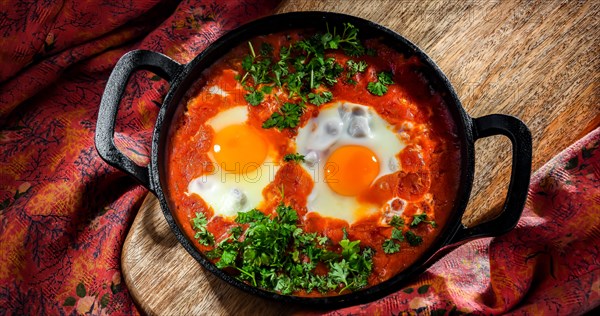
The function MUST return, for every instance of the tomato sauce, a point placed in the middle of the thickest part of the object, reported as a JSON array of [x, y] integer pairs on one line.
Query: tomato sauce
[[429, 170]]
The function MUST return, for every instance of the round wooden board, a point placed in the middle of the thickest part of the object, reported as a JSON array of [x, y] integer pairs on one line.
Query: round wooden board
[[535, 60]]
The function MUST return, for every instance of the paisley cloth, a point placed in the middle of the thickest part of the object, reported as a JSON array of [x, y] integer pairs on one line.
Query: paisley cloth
[[64, 213]]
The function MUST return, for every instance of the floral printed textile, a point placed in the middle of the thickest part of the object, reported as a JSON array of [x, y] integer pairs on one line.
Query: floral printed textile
[[64, 213], [548, 265]]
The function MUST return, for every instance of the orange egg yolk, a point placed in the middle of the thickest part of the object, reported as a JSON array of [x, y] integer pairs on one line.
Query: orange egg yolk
[[239, 148], [350, 170]]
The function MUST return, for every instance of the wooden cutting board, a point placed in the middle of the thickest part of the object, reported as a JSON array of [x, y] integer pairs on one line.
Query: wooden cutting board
[[535, 60]]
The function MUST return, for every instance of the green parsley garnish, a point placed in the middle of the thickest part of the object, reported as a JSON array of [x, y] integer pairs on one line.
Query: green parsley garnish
[[300, 70], [275, 254], [266, 89], [385, 77], [203, 236], [255, 98], [390, 246], [422, 218], [352, 68], [250, 216], [397, 234], [289, 117], [413, 239], [396, 221], [379, 87], [320, 98], [293, 157]]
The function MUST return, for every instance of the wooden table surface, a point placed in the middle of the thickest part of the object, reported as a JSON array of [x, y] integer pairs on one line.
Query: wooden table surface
[[536, 60]]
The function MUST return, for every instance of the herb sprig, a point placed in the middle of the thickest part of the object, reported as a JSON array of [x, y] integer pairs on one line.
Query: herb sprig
[[199, 224], [352, 68], [298, 158], [288, 117], [273, 253], [392, 245], [380, 87], [422, 218], [301, 70]]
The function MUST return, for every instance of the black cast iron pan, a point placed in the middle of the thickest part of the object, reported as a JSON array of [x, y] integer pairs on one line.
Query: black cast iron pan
[[181, 77]]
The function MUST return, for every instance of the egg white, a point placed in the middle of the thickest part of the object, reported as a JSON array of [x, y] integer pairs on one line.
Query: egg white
[[316, 141], [225, 191]]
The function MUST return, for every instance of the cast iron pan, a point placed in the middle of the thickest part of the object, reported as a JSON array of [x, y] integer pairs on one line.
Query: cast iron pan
[[181, 77]]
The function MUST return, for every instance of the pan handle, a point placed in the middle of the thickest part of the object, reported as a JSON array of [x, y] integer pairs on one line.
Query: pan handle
[[520, 137], [159, 64]]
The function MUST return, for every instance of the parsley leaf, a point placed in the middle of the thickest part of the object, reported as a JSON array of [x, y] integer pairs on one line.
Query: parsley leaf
[[266, 89], [338, 272], [377, 88], [288, 117], [236, 232], [422, 218], [273, 253], [293, 157], [349, 248], [300, 69], [203, 236], [413, 239], [250, 216], [320, 98], [322, 240], [354, 67], [349, 41], [385, 77], [227, 259], [255, 98], [390, 246], [396, 221], [397, 234]]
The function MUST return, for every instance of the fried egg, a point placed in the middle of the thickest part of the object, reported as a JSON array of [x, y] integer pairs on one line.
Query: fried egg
[[243, 162], [347, 147]]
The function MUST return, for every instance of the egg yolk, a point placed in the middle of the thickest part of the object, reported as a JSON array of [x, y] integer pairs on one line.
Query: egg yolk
[[350, 170], [239, 148]]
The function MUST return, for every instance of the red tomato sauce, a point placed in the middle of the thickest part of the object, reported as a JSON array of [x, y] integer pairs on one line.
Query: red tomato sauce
[[429, 169]]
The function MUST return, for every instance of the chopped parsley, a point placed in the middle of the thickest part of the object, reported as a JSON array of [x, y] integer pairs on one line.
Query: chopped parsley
[[379, 87], [300, 70], [266, 89], [396, 221], [320, 98], [203, 236], [293, 157], [422, 218], [288, 117], [413, 239], [273, 253], [255, 98], [352, 68], [385, 78], [397, 234], [390, 246]]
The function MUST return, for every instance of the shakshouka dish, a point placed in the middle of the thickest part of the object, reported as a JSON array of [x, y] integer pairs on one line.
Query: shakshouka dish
[[312, 163]]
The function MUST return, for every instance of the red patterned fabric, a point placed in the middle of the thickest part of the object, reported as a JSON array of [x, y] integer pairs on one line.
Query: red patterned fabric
[[548, 265], [64, 213]]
